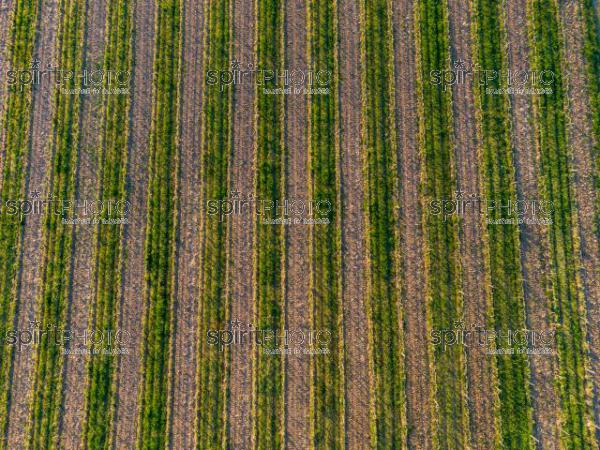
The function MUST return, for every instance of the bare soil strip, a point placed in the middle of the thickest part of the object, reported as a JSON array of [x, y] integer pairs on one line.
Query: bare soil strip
[[298, 311], [132, 306], [416, 342], [534, 248], [581, 143], [480, 367], [242, 228], [188, 243], [357, 383], [82, 295], [33, 247]]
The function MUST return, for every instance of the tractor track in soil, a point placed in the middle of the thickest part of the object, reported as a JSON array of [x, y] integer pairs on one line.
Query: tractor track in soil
[[131, 311], [533, 237], [417, 355], [33, 246], [184, 364], [241, 230], [298, 309], [357, 382], [480, 369]]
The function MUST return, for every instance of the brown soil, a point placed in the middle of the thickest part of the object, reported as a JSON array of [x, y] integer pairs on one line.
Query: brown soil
[[82, 296], [357, 382], [582, 144], [241, 230], [132, 307], [417, 357], [480, 367], [188, 244], [534, 248], [32, 250], [298, 310]]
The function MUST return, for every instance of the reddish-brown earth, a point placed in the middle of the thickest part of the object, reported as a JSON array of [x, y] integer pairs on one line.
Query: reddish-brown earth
[[184, 362], [534, 249], [357, 382], [132, 302], [297, 272], [418, 381], [480, 367], [33, 248]]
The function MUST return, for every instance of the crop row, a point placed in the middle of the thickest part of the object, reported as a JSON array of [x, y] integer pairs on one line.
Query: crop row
[[216, 138], [161, 229], [567, 297], [269, 243], [504, 258], [14, 132], [100, 396], [388, 413], [327, 400], [592, 53], [47, 389], [441, 240]]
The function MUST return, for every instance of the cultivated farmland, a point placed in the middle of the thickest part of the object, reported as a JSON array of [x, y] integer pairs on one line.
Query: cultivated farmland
[[300, 224]]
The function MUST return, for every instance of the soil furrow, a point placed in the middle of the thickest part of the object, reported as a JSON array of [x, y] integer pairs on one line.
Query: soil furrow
[[132, 306], [357, 382], [534, 249], [582, 145], [33, 247], [188, 264], [416, 340], [298, 315], [241, 228], [82, 294], [480, 369]]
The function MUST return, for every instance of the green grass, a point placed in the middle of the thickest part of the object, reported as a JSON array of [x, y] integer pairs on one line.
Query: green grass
[[388, 413], [441, 239], [504, 258], [161, 228], [15, 128], [592, 54], [47, 389], [100, 396], [555, 181], [327, 400], [269, 244], [212, 364]]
